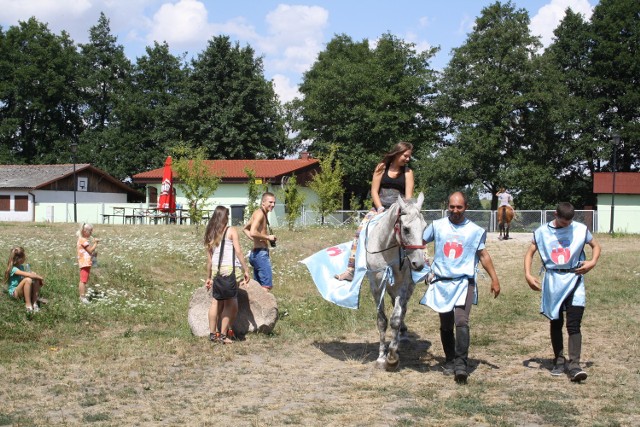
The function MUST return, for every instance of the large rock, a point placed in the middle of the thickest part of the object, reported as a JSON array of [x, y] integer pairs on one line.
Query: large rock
[[257, 310]]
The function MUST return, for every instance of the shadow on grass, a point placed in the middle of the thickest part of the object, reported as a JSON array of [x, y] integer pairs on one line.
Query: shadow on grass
[[546, 364], [412, 352]]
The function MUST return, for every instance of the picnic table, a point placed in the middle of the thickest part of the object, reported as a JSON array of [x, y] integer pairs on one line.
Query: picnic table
[[149, 215], [128, 215]]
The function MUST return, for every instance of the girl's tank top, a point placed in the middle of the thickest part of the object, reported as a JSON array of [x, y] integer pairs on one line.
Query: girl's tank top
[[391, 188], [226, 256]]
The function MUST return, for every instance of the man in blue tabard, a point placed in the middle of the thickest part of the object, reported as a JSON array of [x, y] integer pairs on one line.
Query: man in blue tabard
[[459, 245], [561, 246]]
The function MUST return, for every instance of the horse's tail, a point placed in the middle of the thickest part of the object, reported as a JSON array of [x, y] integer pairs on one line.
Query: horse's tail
[[504, 214]]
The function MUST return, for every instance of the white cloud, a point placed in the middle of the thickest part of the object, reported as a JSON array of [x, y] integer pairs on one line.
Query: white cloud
[[466, 25], [284, 88], [295, 36], [45, 10], [550, 15], [180, 24], [425, 21]]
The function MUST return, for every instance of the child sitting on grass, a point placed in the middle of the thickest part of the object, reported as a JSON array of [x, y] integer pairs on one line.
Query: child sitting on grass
[[23, 283]]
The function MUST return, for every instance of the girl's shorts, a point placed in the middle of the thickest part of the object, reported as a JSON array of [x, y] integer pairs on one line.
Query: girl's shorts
[[84, 274]]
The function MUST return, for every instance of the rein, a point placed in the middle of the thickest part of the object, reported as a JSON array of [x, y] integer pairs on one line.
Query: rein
[[402, 246], [396, 228]]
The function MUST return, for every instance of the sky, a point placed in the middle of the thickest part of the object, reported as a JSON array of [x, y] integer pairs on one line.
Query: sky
[[288, 35]]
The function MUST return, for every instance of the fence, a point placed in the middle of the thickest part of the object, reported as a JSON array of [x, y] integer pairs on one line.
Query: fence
[[524, 220]]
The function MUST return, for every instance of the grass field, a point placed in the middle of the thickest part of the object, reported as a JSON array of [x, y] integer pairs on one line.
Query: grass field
[[129, 358]]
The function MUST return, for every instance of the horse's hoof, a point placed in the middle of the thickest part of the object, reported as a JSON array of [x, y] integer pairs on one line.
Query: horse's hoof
[[392, 366], [381, 364]]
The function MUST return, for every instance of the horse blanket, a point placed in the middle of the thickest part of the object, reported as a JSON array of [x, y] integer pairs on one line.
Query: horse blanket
[[323, 265]]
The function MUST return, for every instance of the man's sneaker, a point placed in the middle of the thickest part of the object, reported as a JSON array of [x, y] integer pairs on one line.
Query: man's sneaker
[[84, 300], [448, 367], [36, 308], [214, 337], [461, 377], [558, 369], [577, 375]]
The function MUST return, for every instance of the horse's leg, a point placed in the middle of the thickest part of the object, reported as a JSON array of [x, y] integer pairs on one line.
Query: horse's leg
[[376, 292], [396, 323], [410, 286], [506, 233]]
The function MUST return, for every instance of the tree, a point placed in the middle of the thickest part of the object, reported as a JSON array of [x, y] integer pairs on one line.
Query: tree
[[194, 179], [293, 201], [149, 117], [486, 94], [254, 190], [564, 130], [105, 77], [229, 107], [328, 185], [38, 94], [615, 67], [364, 100]]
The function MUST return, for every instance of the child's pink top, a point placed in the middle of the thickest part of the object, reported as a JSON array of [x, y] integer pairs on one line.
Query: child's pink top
[[84, 257]]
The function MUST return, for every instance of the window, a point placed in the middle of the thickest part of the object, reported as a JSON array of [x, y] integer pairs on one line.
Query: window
[[5, 203], [153, 195], [22, 203]]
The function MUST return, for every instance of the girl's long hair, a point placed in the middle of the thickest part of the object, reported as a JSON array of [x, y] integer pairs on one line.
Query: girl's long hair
[[216, 226], [15, 255], [399, 148]]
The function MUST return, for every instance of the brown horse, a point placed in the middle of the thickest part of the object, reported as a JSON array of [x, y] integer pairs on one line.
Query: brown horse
[[505, 216]]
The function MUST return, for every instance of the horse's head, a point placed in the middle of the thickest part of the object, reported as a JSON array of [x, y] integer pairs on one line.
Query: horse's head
[[409, 229]]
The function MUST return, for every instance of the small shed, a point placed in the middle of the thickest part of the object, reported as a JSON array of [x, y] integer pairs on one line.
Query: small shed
[[625, 199], [33, 192]]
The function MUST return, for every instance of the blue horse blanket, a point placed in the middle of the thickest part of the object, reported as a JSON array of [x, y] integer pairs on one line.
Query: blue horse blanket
[[323, 265]]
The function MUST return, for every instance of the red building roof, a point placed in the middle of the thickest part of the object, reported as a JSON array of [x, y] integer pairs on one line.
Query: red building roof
[[626, 182], [233, 170]]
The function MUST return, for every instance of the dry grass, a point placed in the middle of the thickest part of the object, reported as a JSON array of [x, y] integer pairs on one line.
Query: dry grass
[[124, 361]]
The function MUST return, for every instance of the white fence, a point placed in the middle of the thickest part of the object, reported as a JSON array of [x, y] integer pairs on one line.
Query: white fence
[[524, 221]]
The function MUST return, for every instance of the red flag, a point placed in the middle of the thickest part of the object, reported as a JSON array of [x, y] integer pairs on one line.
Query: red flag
[[167, 202]]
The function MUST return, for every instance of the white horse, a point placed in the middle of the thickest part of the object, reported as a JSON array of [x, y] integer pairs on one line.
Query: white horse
[[394, 246]]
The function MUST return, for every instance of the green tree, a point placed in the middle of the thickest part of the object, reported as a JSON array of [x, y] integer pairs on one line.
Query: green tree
[[615, 67], [293, 201], [364, 100], [563, 132], [229, 107], [149, 116], [38, 94], [254, 192], [194, 179], [328, 185], [105, 78], [486, 95]]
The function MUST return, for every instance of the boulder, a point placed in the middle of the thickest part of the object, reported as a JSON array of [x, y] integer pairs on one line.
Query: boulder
[[257, 310]]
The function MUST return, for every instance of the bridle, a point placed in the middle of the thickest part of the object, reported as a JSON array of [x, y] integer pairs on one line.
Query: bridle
[[398, 233], [401, 245]]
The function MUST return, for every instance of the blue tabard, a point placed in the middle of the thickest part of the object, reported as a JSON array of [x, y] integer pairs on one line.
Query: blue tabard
[[561, 251], [454, 263]]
